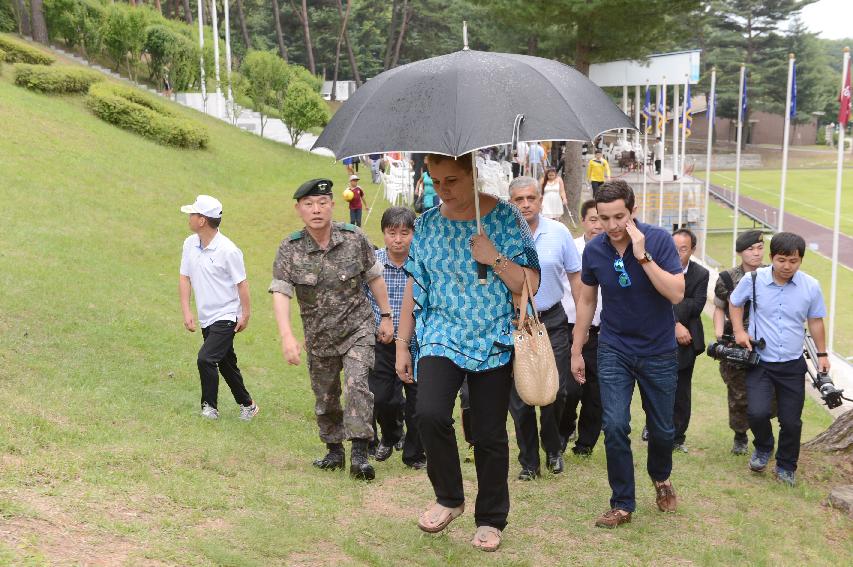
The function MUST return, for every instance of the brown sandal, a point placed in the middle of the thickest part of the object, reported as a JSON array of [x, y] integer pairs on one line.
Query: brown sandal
[[427, 521], [483, 535]]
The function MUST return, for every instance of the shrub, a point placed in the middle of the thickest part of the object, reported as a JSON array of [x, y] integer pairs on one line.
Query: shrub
[[171, 54], [78, 22], [132, 110], [123, 34], [55, 80], [21, 52], [303, 109]]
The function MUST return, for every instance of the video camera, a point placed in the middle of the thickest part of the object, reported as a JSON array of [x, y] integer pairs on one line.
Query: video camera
[[830, 395], [726, 349]]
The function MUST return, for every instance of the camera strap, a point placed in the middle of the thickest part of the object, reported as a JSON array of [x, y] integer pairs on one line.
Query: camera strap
[[754, 306]]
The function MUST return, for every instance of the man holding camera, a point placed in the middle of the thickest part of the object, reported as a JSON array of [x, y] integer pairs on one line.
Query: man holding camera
[[750, 246], [782, 300]]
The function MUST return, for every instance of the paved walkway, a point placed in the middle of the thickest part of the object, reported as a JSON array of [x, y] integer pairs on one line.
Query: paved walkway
[[815, 234]]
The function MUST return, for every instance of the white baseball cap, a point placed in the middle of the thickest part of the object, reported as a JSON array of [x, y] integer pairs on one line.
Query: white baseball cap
[[354, 177], [204, 205]]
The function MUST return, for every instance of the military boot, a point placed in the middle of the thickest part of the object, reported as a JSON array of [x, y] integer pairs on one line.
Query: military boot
[[334, 459], [360, 468]]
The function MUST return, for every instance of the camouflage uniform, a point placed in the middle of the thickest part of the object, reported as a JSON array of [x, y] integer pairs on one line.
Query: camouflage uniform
[[733, 375], [337, 321]]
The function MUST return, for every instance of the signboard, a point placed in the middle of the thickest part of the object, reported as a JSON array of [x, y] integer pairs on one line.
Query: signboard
[[673, 66]]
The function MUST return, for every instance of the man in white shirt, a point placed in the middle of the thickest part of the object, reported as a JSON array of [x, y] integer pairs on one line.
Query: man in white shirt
[[212, 267], [588, 424]]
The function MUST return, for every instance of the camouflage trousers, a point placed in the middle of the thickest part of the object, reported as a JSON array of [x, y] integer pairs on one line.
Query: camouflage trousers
[[354, 421], [735, 379]]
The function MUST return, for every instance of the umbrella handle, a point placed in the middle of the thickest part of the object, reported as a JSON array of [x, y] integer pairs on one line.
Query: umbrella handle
[[481, 268], [481, 273]]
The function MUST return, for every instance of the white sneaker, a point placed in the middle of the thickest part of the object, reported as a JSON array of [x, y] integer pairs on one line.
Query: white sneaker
[[248, 412], [209, 412]]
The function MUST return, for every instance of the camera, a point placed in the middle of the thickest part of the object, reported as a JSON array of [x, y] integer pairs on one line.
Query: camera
[[726, 349], [830, 395]]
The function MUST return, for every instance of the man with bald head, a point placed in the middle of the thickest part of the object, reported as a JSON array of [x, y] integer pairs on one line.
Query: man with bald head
[[559, 262]]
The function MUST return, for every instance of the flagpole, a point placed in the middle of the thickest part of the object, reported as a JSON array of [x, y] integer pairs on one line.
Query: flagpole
[[676, 146], [230, 99], [737, 162], [202, 79], [637, 114], [709, 114], [663, 150], [780, 223], [214, 19], [683, 152], [836, 227], [645, 159]]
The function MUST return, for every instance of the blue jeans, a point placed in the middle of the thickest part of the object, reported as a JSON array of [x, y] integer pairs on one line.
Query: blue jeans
[[656, 377]]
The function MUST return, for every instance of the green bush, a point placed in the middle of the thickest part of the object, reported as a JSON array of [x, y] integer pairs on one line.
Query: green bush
[[123, 34], [21, 52], [55, 80], [77, 22], [171, 54], [132, 110], [303, 109]]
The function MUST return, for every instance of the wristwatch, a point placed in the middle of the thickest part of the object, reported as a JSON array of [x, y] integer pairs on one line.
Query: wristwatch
[[645, 259], [383, 315], [498, 262]]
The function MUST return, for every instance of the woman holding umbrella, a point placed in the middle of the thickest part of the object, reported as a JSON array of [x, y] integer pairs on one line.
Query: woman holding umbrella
[[464, 331]]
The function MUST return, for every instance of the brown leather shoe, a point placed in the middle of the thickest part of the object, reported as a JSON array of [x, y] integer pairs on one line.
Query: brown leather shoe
[[613, 518], [665, 496]]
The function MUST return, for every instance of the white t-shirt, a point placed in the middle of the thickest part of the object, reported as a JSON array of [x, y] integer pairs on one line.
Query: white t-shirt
[[568, 300], [658, 150], [214, 273]]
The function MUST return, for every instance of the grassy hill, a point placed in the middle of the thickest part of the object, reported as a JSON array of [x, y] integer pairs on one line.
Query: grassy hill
[[103, 459]]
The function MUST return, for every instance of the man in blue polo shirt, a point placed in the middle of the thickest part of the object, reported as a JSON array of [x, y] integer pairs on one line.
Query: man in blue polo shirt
[[783, 299], [639, 272], [559, 262]]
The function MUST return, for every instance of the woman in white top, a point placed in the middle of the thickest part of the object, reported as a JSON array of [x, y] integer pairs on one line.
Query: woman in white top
[[553, 195]]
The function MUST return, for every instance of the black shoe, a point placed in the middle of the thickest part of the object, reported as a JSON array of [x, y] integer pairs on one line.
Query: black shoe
[[582, 451], [741, 444], [360, 468], [334, 459], [555, 463], [528, 474], [417, 465], [645, 434], [383, 452]]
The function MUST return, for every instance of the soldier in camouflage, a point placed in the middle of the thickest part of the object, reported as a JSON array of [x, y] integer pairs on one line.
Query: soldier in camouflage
[[750, 246], [325, 264]]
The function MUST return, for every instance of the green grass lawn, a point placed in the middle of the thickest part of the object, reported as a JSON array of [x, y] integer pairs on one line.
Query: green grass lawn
[[104, 460], [809, 193]]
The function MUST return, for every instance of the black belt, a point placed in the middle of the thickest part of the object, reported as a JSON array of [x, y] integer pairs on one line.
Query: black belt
[[551, 309]]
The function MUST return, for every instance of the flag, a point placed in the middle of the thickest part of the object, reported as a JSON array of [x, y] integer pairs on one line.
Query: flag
[[661, 113], [647, 110], [844, 99], [793, 109], [743, 104], [688, 112]]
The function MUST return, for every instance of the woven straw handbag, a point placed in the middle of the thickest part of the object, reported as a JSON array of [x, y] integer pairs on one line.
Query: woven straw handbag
[[534, 367]]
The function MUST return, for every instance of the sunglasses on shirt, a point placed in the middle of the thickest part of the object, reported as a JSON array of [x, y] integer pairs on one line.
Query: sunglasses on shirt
[[624, 278]]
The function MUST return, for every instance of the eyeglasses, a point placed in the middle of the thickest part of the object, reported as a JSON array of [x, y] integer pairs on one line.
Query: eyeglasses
[[624, 278]]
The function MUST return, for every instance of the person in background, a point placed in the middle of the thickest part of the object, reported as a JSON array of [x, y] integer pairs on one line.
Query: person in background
[[536, 161], [553, 195], [658, 153], [597, 171], [356, 204]]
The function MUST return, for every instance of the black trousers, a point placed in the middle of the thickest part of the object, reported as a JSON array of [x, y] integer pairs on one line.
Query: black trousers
[[588, 424], [524, 416], [681, 413], [390, 408], [657, 166], [595, 185], [516, 169], [439, 381], [784, 382], [217, 355]]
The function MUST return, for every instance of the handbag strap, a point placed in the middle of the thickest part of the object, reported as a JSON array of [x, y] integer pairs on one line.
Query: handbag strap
[[526, 299]]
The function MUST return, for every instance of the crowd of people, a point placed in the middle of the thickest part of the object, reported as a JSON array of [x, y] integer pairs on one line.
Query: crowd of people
[[412, 324]]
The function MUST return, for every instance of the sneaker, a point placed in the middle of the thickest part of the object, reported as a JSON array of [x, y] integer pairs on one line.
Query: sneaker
[[248, 412], [399, 444], [785, 477], [528, 474], [469, 454], [679, 448], [383, 452], [740, 447], [613, 518], [581, 451], [208, 411], [758, 461], [418, 465], [645, 434]]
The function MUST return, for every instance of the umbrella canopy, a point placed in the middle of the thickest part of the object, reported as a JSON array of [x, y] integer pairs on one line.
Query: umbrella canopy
[[468, 100]]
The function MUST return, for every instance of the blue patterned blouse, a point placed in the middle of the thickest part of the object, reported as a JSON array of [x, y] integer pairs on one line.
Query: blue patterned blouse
[[455, 316]]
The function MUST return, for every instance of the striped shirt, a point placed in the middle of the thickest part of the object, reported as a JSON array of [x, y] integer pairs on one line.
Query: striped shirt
[[557, 257], [395, 281]]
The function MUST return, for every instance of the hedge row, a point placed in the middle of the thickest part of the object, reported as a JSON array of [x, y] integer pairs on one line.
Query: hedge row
[[55, 80], [21, 52], [132, 110]]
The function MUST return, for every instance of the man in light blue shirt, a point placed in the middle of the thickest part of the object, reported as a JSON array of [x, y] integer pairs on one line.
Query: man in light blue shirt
[[559, 262], [783, 299]]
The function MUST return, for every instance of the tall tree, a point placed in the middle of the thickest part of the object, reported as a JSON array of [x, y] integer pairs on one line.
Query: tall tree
[[241, 20], [405, 15], [344, 21], [350, 55], [38, 22], [302, 13], [392, 34], [23, 17], [188, 13], [279, 36]]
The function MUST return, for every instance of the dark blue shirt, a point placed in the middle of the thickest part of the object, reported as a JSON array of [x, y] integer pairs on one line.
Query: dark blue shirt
[[635, 319]]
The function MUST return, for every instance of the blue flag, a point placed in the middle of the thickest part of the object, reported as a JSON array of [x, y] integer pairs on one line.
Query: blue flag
[[661, 112], [688, 112], [647, 110], [743, 104], [794, 92]]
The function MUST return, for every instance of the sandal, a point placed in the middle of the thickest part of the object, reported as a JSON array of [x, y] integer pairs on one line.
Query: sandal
[[487, 538], [438, 517]]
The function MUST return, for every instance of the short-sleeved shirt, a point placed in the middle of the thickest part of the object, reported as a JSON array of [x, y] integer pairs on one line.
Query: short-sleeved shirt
[[395, 281], [597, 170], [780, 311], [557, 257], [536, 154], [635, 319], [722, 293], [328, 285], [569, 301], [455, 316], [214, 273], [357, 197]]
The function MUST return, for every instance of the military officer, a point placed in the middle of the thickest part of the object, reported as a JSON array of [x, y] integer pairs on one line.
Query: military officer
[[325, 264]]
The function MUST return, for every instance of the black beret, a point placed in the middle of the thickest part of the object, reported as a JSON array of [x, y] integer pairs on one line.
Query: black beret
[[313, 188], [747, 239]]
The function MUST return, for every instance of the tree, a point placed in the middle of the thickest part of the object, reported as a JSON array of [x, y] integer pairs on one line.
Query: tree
[[302, 110], [344, 20], [264, 74], [276, 13], [188, 13], [306, 33], [839, 436], [38, 23], [241, 20], [22, 17]]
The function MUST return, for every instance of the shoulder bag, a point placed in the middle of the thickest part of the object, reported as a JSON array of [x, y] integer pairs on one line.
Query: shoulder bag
[[534, 368]]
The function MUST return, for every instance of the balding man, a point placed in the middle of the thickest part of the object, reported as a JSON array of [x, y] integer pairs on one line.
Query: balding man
[[559, 261]]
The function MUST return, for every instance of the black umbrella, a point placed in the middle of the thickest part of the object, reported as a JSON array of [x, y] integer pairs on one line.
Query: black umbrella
[[468, 100]]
